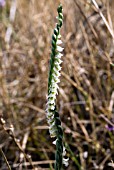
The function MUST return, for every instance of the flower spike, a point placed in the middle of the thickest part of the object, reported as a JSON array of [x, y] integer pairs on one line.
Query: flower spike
[[53, 118], [55, 68]]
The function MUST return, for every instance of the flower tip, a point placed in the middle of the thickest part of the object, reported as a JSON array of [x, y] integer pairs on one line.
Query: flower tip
[[59, 9]]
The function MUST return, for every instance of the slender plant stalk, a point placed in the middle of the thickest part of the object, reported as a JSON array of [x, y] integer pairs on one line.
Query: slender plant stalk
[[7, 163], [53, 119]]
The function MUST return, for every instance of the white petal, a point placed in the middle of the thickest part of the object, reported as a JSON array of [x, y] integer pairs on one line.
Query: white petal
[[58, 60], [58, 67], [51, 107], [54, 142], [54, 91], [52, 131], [55, 69], [59, 49], [54, 75], [57, 80], [52, 134], [65, 161], [56, 63], [51, 95], [59, 36], [51, 101], [53, 79], [52, 126], [64, 151], [53, 82], [49, 114], [59, 42], [59, 55], [54, 85], [51, 120], [57, 74]]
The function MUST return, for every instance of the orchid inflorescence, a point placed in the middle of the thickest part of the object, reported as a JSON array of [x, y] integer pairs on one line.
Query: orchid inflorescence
[[54, 73], [53, 119]]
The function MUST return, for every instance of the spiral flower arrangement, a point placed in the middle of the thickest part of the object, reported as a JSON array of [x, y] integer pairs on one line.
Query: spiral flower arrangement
[[53, 119]]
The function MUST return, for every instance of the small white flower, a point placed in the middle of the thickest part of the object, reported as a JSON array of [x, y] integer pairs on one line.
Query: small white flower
[[56, 79], [51, 101], [58, 67], [54, 142], [57, 73], [55, 69], [52, 130], [51, 96], [55, 85], [59, 55], [59, 49], [64, 151], [54, 91], [58, 60], [51, 121], [56, 63], [51, 107], [65, 161], [54, 75], [59, 42], [49, 114], [59, 36]]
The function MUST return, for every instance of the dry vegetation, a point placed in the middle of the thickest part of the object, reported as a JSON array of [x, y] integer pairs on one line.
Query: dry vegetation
[[86, 94]]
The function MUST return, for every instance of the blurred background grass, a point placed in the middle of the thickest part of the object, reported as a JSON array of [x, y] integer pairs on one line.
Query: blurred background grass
[[86, 93]]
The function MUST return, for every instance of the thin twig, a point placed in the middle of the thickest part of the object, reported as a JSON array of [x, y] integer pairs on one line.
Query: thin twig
[[10, 132], [7, 163], [103, 18], [89, 24], [36, 163]]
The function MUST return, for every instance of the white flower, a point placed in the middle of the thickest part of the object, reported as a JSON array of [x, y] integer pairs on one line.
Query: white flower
[[59, 42], [51, 101], [51, 96], [52, 130], [59, 36], [56, 64], [65, 161], [49, 114], [57, 73], [56, 70], [54, 142], [51, 107], [64, 151], [59, 55], [51, 121], [59, 49], [58, 67]]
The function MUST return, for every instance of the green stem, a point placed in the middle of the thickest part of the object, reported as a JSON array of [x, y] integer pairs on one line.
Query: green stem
[[59, 143]]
